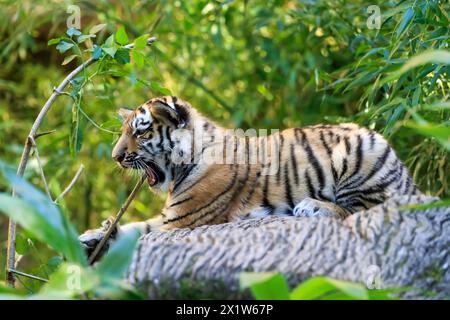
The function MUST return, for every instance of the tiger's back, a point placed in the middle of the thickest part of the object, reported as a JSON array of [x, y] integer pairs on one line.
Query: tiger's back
[[346, 166]]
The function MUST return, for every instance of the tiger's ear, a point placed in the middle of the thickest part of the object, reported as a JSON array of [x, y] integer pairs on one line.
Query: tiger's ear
[[124, 113], [169, 114]]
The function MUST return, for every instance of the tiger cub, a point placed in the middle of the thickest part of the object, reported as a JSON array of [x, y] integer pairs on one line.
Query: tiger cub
[[214, 177]]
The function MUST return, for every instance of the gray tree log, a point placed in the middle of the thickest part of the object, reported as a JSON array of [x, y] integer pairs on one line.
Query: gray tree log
[[395, 246]]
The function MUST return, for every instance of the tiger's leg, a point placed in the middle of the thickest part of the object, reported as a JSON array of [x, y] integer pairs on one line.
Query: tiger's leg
[[310, 207], [90, 239]]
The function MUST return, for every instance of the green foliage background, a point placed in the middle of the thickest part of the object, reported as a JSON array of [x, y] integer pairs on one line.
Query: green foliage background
[[260, 64]]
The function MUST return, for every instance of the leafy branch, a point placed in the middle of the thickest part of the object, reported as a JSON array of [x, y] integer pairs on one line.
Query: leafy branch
[[114, 47]]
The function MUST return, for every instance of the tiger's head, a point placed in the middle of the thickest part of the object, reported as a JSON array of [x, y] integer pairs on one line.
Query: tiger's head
[[149, 135]]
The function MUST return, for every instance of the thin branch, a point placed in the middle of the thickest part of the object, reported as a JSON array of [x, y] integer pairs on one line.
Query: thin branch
[[41, 169], [40, 134], [11, 251], [71, 184], [20, 273], [119, 215]]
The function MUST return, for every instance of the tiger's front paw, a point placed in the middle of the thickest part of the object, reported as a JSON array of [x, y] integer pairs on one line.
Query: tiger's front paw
[[91, 238], [309, 207]]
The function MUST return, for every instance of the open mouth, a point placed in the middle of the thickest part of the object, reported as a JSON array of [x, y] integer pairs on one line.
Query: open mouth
[[154, 174]]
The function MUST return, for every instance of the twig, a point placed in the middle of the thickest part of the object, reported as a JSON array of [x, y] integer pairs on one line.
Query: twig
[[41, 169], [117, 219], [40, 134], [20, 273], [71, 184], [11, 251]]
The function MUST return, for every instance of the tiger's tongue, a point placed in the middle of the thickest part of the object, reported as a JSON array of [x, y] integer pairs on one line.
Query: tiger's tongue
[[151, 177]]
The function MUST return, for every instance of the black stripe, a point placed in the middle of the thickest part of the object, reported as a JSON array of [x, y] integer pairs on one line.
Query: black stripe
[[279, 167], [386, 180], [377, 167], [408, 184], [330, 153], [401, 180], [358, 159], [148, 148], [297, 135], [183, 174], [161, 137], [228, 188], [325, 144], [313, 160], [344, 168], [180, 202], [171, 144], [287, 187], [347, 144], [294, 164], [252, 188], [312, 192], [265, 201]]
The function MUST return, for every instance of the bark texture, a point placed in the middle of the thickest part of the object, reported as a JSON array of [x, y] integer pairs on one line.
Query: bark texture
[[387, 244]]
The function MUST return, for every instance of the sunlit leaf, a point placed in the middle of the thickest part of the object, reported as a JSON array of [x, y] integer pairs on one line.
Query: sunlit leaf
[[121, 36], [140, 42], [68, 59], [265, 285], [97, 28], [320, 287]]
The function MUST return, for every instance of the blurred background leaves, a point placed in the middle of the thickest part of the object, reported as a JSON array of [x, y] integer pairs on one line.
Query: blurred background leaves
[[260, 64]]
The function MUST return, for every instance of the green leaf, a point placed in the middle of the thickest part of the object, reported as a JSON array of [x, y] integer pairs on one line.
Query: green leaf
[[138, 59], [434, 56], [122, 56], [63, 46], [320, 287], [140, 42], [265, 285], [40, 217], [97, 28], [110, 51], [84, 37], [121, 36], [73, 32], [439, 106], [68, 59], [116, 262], [407, 17], [53, 41], [109, 42]]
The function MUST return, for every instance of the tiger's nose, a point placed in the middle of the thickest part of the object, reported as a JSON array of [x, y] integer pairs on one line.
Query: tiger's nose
[[119, 157]]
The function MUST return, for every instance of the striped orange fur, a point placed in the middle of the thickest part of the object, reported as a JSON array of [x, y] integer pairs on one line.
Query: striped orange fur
[[322, 170]]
